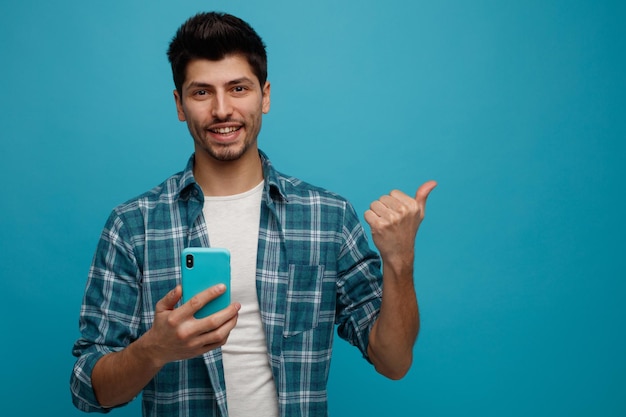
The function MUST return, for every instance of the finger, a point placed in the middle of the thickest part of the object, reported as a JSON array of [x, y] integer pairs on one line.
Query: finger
[[370, 217], [213, 331], [399, 202], [378, 208], [422, 193], [219, 336], [386, 206], [218, 318], [221, 319], [199, 300], [169, 301], [393, 201]]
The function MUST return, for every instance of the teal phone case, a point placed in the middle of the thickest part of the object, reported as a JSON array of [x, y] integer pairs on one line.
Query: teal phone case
[[211, 266]]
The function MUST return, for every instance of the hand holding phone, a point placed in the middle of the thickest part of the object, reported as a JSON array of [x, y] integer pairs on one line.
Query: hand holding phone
[[203, 268]]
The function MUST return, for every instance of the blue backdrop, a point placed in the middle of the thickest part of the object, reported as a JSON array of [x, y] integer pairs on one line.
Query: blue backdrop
[[517, 108]]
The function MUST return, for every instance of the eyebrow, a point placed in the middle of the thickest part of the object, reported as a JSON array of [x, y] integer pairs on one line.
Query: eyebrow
[[242, 80], [200, 84]]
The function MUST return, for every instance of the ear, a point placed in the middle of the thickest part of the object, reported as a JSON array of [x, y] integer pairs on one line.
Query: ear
[[266, 98], [179, 106]]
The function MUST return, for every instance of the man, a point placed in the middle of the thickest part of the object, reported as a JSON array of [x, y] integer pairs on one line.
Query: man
[[300, 263]]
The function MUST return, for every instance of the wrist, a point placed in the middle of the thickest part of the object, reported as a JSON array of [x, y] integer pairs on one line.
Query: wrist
[[398, 265], [146, 351]]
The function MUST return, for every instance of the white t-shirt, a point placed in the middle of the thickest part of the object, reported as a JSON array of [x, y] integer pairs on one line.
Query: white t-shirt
[[233, 223]]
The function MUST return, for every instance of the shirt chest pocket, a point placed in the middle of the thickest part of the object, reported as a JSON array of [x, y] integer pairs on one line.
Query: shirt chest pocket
[[304, 298]]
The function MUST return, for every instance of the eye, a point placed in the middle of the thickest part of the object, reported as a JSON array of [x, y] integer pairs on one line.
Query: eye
[[200, 94], [239, 89]]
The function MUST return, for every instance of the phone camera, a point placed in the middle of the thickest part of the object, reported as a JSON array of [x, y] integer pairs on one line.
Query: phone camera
[[189, 261]]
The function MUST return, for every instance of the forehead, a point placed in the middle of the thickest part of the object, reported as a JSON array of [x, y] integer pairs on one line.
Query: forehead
[[221, 72]]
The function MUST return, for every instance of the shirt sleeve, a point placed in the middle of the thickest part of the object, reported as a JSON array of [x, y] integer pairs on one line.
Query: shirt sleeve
[[110, 312], [359, 284]]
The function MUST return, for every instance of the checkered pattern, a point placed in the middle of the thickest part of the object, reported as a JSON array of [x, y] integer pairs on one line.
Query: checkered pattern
[[314, 270]]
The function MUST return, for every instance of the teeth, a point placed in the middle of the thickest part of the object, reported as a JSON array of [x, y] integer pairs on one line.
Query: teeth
[[225, 130]]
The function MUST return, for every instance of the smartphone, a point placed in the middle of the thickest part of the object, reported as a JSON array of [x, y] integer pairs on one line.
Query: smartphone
[[203, 268]]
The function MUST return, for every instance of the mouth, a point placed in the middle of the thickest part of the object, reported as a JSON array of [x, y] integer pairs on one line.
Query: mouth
[[224, 130]]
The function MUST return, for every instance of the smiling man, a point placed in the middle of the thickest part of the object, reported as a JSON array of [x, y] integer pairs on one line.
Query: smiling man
[[223, 103], [300, 263]]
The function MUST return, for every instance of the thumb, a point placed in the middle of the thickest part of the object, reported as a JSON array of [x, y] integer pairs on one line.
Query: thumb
[[422, 193], [169, 301]]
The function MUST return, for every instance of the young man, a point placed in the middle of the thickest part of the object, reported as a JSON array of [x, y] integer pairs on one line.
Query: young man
[[300, 263]]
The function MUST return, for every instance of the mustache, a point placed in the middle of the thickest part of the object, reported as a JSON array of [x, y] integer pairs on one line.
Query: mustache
[[228, 120]]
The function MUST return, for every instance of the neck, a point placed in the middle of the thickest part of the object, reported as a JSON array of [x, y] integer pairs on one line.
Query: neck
[[223, 178]]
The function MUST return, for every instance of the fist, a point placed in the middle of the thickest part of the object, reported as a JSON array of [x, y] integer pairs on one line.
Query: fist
[[394, 220]]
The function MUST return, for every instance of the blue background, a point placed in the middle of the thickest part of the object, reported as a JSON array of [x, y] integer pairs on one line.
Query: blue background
[[517, 109]]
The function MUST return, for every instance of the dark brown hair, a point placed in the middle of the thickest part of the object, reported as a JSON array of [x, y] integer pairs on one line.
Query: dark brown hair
[[213, 36]]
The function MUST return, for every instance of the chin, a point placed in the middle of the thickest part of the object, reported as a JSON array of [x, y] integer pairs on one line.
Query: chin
[[227, 153]]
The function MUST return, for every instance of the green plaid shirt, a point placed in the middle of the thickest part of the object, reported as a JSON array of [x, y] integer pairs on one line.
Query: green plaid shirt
[[314, 269]]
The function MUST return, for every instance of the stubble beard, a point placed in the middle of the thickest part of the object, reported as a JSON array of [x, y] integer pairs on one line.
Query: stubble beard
[[226, 152]]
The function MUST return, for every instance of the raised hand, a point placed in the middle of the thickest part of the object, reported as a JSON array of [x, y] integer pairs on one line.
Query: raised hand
[[394, 220]]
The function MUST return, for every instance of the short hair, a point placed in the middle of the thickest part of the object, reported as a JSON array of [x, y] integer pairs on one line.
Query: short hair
[[213, 36]]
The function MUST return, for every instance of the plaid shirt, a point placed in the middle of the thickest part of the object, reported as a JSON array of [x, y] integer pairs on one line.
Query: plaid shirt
[[314, 269]]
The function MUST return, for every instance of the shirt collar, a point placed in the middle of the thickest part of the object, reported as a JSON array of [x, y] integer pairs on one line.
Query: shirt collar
[[273, 184], [187, 185]]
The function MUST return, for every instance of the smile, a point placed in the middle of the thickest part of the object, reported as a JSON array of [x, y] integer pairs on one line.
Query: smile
[[225, 130]]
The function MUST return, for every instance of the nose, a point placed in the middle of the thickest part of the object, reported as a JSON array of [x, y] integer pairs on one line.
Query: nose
[[222, 107]]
